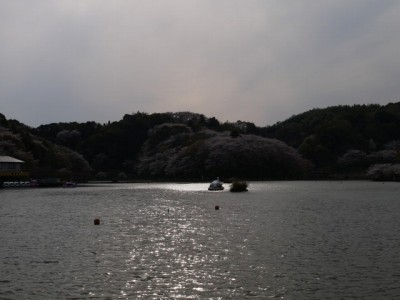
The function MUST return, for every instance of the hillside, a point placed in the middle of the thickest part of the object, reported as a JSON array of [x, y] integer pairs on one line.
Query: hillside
[[42, 158], [127, 149], [335, 142], [182, 153], [343, 139]]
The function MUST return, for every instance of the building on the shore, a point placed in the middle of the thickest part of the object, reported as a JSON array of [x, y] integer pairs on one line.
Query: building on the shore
[[11, 168]]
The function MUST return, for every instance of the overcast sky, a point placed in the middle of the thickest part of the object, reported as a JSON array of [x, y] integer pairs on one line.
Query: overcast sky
[[252, 60]]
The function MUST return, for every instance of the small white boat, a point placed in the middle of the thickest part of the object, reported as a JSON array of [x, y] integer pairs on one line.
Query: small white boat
[[216, 185]]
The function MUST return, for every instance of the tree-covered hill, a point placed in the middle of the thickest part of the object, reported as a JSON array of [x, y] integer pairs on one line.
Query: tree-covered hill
[[339, 141], [42, 158], [344, 126], [175, 151], [330, 137], [113, 149]]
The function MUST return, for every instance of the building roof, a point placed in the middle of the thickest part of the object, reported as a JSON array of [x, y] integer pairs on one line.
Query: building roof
[[10, 159]]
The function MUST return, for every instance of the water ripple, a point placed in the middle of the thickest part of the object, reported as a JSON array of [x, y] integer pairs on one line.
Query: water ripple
[[166, 241]]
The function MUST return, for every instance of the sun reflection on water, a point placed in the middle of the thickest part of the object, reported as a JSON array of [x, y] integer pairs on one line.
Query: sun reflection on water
[[183, 187], [166, 241], [183, 253]]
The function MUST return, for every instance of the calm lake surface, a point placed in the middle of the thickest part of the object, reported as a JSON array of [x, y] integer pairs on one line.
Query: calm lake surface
[[280, 240]]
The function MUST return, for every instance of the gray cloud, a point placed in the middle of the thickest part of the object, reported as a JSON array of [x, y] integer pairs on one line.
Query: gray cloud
[[258, 61]]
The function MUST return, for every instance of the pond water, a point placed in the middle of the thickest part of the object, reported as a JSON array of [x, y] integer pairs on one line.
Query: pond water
[[280, 240]]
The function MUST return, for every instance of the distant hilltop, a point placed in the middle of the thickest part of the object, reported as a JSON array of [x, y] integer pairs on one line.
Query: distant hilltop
[[334, 142]]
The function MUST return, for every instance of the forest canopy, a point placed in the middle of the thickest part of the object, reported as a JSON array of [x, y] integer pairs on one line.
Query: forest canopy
[[334, 142]]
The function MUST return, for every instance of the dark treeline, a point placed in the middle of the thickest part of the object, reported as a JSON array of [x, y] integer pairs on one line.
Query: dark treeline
[[43, 159], [343, 140], [335, 142], [115, 150]]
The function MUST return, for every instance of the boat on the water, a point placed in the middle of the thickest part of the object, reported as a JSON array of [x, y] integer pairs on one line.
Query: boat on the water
[[69, 184], [18, 184], [216, 185]]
